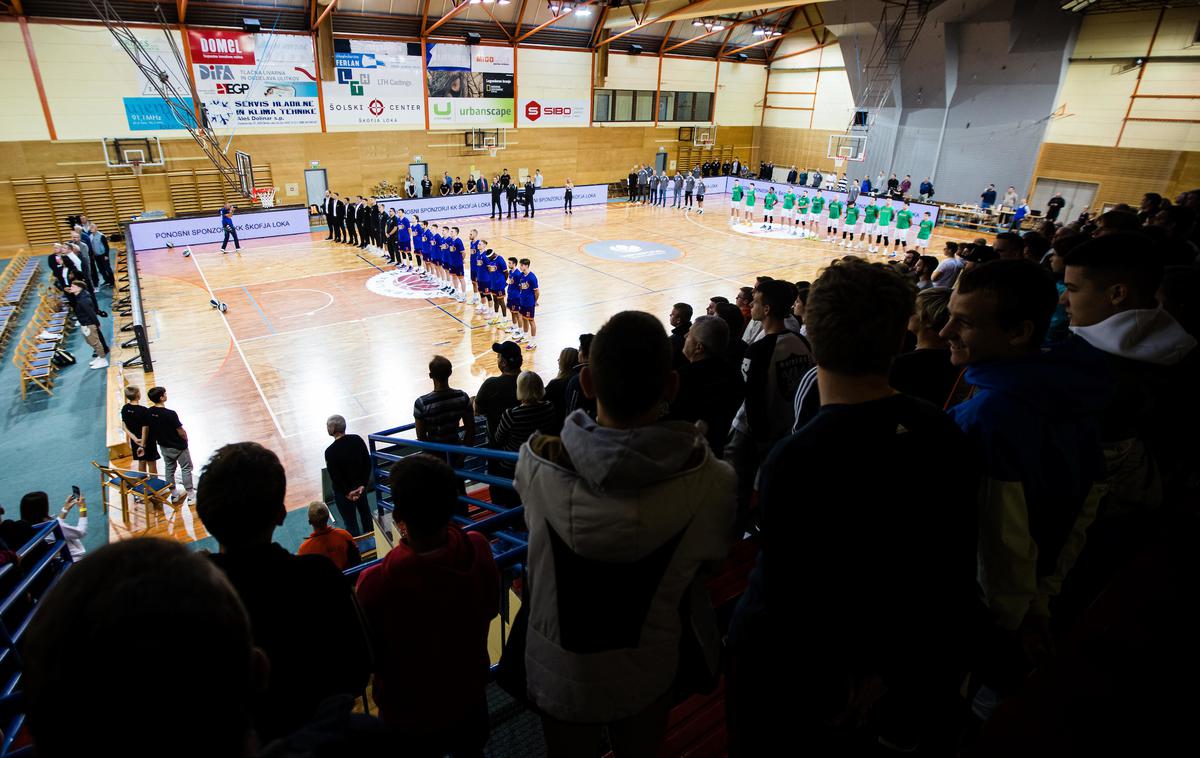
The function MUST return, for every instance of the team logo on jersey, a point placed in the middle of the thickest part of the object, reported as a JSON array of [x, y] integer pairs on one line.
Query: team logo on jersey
[[402, 285]]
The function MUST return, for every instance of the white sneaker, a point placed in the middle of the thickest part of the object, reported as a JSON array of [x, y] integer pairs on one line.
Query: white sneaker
[[98, 363], [47, 336]]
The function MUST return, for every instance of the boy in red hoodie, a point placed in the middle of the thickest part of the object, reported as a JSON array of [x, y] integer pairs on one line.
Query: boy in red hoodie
[[429, 605]]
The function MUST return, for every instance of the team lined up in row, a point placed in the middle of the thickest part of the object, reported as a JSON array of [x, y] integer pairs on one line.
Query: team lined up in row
[[504, 291], [804, 217]]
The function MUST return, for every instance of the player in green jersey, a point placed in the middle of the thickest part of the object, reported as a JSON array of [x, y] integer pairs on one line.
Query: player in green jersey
[[769, 208], [789, 209], [802, 216], [815, 211], [735, 202], [870, 220], [903, 228], [850, 226], [925, 232], [748, 205], [835, 215], [884, 225]]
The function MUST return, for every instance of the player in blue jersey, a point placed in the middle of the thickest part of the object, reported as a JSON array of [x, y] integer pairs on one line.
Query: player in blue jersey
[[476, 257], [513, 295], [420, 237], [495, 273], [528, 288], [404, 240], [437, 252], [455, 251]]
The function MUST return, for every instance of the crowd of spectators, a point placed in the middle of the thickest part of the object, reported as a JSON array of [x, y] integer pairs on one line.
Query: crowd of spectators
[[894, 603]]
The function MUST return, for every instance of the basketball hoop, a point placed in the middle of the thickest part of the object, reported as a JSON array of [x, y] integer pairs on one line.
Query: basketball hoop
[[705, 143], [265, 196], [493, 150], [839, 163], [136, 165]]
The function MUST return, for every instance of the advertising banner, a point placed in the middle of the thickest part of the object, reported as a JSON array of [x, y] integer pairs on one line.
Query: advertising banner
[[543, 111], [459, 206], [148, 112], [470, 85], [377, 83], [151, 235], [255, 79]]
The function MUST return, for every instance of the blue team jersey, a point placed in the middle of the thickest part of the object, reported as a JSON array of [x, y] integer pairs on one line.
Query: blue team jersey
[[421, 241], [404, 225], [528, 284], [456, 248], [499, 283], [491, 272], [435, 249], [514, 285]]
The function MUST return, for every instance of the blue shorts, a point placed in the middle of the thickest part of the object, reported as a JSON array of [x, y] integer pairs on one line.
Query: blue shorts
[[404, 241], [456, 268], [526, 310]]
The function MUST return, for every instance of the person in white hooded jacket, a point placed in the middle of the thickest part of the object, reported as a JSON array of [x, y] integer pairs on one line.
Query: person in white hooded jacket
[[623, 512]]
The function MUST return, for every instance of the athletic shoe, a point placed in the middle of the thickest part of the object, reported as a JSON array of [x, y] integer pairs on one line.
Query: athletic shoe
[[49, 336], [531, 345], [891, 255], [99, 363]]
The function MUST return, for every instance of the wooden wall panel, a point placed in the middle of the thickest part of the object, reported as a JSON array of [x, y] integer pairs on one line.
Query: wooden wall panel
[[807, 148], [356, 161], [1124, 174]]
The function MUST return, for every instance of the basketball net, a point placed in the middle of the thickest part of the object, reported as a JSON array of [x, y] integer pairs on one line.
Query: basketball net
[[136, 165], [839, 163], [493, 150], [265, 196]]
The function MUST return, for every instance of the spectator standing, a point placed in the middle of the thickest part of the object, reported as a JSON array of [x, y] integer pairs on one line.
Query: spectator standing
[[1054, 206], [772, 369], [172, 441], [349, 464], [335, 544], [292, 600], [136, 420], [633, 184], [426, 186], [573, 394], [537, 178], [499, 393], [987, 198], [946, 274], [556, 388], [87, 313], [681, 322], [710, 387], [439, 415], [893, 187], [429, 605], [101, 252], [883, 660], [927, 371], [735, 351], [926, 189], [1029, 419], [1010, 198], [533, 415], [905, 185], [658, 505]]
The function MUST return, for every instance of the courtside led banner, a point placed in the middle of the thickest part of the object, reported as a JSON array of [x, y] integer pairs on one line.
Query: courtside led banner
[[457, 206], [150, 235]]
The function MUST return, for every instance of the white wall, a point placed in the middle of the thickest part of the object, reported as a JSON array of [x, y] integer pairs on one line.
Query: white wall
[[21, 118], [821, 71], [740, 94], [1095, 97]]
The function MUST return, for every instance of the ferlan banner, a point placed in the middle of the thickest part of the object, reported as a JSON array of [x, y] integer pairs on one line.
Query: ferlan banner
[[377, 83], [255, 79], [470, 85]]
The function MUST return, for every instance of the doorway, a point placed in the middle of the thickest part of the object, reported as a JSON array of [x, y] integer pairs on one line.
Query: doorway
[[418, 172], [660, 162], [1078, 195], [315, 185]]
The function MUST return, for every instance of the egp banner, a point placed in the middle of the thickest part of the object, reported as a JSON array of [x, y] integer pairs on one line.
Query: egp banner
[[150, 235], [470, 85], [458, 206], [377, 82], [255, 79], [542, 111]]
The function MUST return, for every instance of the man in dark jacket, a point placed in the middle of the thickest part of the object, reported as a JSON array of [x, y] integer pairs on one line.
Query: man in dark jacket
[[83, 302], [792, 175], [349, 465], [293, 601], [510, 194], [710, 387], [681, 322], [529, 192]]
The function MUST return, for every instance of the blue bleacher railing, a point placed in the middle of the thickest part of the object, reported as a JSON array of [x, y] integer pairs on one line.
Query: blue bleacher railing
[[41, 567]]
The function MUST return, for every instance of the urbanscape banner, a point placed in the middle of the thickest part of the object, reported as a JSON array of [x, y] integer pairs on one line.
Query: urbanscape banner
[[255, 79], [377, 83], [470, 85], [553, 112], [458, 206], [151, 235]]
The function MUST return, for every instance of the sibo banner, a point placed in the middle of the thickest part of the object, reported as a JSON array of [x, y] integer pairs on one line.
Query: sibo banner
[[553, 112]]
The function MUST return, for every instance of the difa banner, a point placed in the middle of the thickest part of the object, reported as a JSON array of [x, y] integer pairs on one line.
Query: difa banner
[[470, 85], [543, 111], [377, 83], [255, 79]]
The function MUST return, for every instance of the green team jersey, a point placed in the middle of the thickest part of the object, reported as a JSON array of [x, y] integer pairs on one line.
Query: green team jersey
[[789, 201], [870, 213], [835, 210], [904, 219], [770, 200], [885, 215], [926, 229], [852, 215], [736, 195], [750, 198], [818, 204], [803, 204]]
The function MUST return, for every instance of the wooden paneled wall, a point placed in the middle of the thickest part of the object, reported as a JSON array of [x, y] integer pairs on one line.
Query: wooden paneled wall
[[807, 148], [1124, 174], [356, 161]]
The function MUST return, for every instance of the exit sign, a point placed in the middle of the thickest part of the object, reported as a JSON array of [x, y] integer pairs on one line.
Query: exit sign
[[314, 164]]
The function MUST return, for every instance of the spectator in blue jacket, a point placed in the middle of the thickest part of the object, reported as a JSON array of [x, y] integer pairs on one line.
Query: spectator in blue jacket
[[926, 189]]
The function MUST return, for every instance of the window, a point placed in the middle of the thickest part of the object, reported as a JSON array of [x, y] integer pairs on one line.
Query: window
[[602, 104], [645, 106], [624, 108], [683, 106], [703, 110], [666, 106]]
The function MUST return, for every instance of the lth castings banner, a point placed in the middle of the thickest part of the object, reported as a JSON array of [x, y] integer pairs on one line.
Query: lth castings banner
[[255, 79], [377, 83], [470, 85]]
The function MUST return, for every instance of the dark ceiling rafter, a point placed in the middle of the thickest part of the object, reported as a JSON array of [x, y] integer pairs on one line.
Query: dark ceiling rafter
[[520, 19], [737, 22], [457, 9], [424, 14], [691, 6], [553, 20], [666, 38], [492, 16], [14, 7]]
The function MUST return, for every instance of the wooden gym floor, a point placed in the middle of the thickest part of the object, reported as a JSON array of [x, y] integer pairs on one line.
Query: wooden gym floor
[[304, 338]]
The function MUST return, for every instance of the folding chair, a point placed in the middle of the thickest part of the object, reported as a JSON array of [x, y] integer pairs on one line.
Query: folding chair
[[153, 491]]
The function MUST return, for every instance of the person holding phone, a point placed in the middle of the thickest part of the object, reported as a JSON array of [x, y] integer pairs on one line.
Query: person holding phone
[[35, 510]]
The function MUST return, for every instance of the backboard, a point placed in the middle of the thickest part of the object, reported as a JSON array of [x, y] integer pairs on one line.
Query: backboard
[[848, 147]]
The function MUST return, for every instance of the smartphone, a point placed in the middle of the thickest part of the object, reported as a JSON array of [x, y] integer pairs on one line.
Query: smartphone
[[75, 490]]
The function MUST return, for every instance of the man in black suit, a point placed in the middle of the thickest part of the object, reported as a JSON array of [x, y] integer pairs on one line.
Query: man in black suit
[[364, 213], [426, 185], [497, 207], [792, 174], [339, 218], [529, 190], [351, 221], [380, 219], [510, 192], [327, 209], [505, 179]]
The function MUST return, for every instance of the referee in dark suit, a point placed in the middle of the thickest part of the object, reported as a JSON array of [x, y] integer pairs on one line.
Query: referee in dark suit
[[364, 213], [339, 219], [497, 207], [510, 192], [327, 209]]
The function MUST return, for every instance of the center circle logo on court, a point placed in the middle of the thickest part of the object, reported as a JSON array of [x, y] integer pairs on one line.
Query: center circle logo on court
[[632, 251], [402, 285]]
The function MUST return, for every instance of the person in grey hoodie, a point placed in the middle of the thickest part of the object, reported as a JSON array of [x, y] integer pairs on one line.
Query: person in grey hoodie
[[689, 186], [677, 190], [623, 512]]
